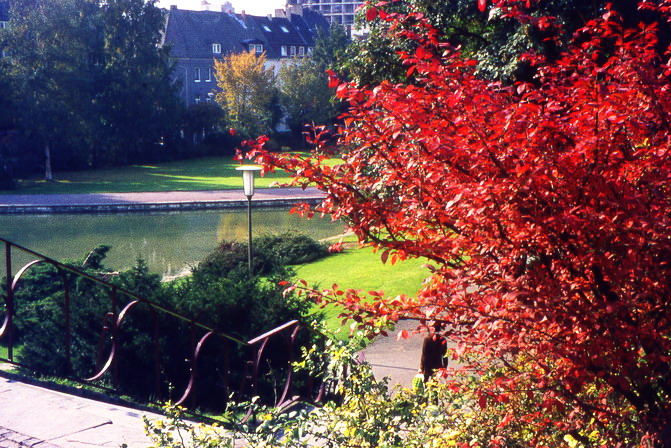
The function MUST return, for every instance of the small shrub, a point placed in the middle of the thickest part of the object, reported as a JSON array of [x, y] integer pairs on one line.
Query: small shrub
[[231, 257], [290, 248]]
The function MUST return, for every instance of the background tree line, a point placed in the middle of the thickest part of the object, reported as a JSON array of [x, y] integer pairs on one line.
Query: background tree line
[[87, 84]]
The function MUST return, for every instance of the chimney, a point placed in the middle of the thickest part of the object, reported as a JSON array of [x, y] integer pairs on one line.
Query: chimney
[[280, 13], [227, 8], [295, 9]]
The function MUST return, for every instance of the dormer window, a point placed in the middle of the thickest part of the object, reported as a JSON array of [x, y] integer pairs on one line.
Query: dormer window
[[292, 51], [284, 28], [216, 48], [283, 50], [301, 51], [266, 28]]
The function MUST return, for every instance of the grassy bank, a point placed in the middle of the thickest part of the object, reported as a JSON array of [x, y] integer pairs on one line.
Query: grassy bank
[[362, 269], [208, 173]]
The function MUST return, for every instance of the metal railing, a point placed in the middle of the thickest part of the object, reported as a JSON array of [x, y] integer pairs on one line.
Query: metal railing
[[109, 349]]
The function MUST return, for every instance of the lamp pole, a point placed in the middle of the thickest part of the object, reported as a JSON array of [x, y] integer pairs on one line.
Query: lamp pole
[[248, 185]]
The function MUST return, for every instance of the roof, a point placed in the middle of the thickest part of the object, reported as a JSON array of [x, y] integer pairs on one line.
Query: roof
[[4, 11], [191, 34], [308, 24]]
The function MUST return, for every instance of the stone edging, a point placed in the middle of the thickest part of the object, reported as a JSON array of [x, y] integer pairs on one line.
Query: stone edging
[[148, 207]]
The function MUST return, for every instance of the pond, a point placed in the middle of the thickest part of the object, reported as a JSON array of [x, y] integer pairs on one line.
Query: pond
[[169, 242]]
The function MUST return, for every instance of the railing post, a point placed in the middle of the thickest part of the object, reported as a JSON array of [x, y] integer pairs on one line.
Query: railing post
[[115, 337], [9, 302], [157, 354], [68, 322]]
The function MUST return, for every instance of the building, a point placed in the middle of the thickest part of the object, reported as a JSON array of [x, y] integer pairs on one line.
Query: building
[[196, 38], [4, 14], [4, 22], [335, 11]]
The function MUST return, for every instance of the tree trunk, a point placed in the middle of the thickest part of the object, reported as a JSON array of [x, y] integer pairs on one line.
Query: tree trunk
[[48, 174]]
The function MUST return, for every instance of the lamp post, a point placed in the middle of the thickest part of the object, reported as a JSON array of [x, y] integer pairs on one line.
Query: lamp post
[[248, 184]]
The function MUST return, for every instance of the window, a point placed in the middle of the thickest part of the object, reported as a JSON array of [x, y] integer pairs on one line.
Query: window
[[266, 29], [301, 51], [3, 24], [209, 75], [256, 48], [284, 28], [283, 50], [196, 74], [292, 51], [216, 48], [310, 50], [196, 99]]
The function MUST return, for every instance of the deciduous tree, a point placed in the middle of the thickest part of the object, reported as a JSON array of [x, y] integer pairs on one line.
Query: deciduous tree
[[305, 95], [247, 90], [545, 208]]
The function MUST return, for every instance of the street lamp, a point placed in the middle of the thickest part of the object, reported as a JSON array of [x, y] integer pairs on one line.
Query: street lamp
[[248, 184]]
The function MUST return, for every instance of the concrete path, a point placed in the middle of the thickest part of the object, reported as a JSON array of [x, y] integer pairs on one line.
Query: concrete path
[[165, 200], [38, 417], [396, 359]]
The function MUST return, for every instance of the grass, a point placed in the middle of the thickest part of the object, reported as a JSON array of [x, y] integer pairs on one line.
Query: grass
[[4, 352], [207, 173], [362, 269]]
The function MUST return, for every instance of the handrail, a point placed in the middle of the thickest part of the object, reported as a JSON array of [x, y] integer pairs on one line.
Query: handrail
[[112, 323], [121, 290]]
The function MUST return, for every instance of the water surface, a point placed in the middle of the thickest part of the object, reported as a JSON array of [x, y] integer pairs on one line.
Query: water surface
[[169, 241]]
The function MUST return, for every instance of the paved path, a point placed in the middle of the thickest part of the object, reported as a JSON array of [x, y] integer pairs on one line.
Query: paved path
[[164, 200], [43, 418]]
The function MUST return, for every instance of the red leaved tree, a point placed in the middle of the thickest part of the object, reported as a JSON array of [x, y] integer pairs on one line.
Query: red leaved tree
[[546, 208]]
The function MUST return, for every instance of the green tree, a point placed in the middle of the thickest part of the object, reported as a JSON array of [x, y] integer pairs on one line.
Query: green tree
[[247, 91], [52, 64], [305, 95], [330, 47], [491, 38], [93, 83], [137, 105]]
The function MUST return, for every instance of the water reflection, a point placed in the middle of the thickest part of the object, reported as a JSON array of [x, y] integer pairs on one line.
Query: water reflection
[[169, 242]]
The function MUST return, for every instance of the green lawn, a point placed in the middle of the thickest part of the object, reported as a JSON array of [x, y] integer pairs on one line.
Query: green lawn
[[4, 352], [208, 173], [362, 269]]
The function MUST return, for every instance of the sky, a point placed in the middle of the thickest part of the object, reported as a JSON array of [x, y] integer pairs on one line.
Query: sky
[[253, 7]]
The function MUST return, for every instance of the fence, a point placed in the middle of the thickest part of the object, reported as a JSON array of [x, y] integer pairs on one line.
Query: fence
[[202, 338]]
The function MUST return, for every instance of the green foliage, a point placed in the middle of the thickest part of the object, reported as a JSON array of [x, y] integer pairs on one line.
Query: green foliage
[[92, 86], [230, 258], [228, 300], [496, 42], [291, 248], [305, 95], [366, 413], [330, 47]]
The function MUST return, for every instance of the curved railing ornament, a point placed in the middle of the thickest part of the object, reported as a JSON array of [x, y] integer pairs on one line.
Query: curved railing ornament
[[109, 349]]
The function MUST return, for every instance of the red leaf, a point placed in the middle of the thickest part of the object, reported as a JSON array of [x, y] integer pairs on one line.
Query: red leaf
[[482, 5], [371, 14]]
